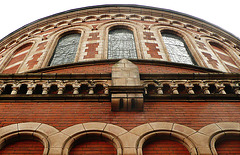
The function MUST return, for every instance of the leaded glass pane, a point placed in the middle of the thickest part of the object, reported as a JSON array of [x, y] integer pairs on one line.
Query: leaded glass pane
[[65, 50], [177, 49], [121, 44]]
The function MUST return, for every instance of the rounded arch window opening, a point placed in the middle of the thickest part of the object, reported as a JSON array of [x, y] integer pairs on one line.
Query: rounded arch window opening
[[177, 49], [121, 44], [65, 50]]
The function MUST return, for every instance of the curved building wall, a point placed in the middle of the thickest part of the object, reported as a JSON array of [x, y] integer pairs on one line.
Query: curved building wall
[[146, 25], [69, 84]]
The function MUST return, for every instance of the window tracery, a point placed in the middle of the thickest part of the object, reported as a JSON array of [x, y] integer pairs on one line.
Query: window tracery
[[65, 50], [177, 49], [121, 44]]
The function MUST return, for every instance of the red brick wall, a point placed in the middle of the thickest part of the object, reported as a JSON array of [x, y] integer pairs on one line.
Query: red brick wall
[[94, 147], [106, 68], [64, 114], [23, 147], [163, 147], [228, 147]]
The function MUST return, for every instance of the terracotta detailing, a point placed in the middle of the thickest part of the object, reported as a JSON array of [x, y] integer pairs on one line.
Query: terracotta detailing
[[153, 50], [93, 36], [91, 50], [41, 46], [211, 61], [18, 57], [201, 45], [34, 60], [148, 36], [228, 61]]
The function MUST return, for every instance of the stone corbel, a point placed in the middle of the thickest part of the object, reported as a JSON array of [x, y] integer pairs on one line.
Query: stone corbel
[[205, 87], [174, 87], [189, 86], [220, 88]]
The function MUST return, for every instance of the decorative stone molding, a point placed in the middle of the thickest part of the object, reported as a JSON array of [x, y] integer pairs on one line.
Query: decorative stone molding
[[30, 130], [219, 131], [153, 87], [126, 142]]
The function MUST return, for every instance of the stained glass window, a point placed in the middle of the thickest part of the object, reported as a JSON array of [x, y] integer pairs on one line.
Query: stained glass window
[[121, 44], [177, 49], [65, 50]]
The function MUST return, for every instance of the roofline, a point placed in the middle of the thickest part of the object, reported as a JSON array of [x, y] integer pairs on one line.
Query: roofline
[[119, 5]]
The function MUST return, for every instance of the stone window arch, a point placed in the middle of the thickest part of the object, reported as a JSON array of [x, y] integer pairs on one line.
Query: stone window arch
[[121, 43], [177, 48], [27, 131], [66, 49]]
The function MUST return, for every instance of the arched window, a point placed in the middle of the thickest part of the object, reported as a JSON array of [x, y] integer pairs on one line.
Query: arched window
[[121, 44], [65, 50], [177, 49]]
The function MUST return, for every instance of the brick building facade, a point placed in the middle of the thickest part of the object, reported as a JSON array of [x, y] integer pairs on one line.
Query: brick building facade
[[120, 79]]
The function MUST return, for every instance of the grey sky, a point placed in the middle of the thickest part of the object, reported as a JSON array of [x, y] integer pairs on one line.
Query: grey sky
[[17, 13]]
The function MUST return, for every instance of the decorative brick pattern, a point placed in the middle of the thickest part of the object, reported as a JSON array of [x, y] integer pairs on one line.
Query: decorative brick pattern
[[211, 61], [93, 36], [41, 46], [91, 50], [17, 58], [224, 56], [94, 27], [34, 60], [153, 50], [149, 36], [201, 45]]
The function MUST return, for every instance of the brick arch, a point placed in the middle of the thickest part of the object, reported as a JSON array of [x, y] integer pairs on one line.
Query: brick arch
[[220, 131], [104, 130], [167, 131], [28, 130]]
